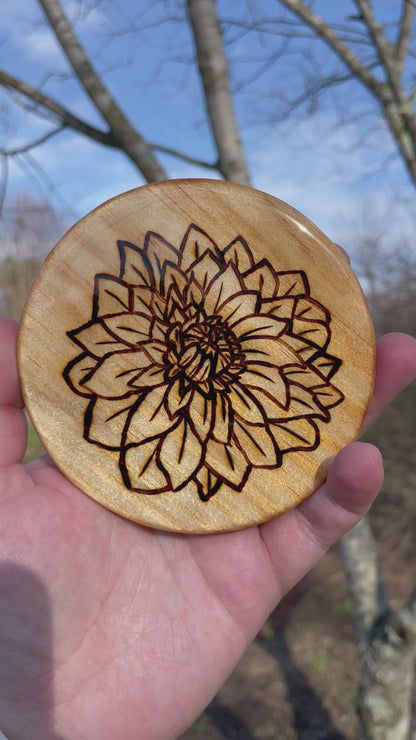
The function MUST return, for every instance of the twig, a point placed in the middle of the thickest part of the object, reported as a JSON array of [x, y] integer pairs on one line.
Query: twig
[[32, 144], [400, 50], [128, 138], [62, 114]]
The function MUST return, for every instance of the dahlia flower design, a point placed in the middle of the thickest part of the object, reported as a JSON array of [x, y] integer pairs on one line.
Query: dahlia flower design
[[200, 364]]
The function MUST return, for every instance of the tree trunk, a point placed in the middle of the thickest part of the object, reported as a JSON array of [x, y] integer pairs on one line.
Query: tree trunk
[[384, 700], [386, 642], [215, 79]]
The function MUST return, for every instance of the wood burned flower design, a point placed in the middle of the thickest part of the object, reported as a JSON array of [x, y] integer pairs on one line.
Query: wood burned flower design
[[200, 364]]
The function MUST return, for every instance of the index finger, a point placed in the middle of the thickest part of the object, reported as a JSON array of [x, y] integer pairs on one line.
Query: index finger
[[10, 393], [12, 418], [395, 369]]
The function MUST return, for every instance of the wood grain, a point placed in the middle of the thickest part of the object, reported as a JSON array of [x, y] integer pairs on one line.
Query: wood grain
[[194, 353]]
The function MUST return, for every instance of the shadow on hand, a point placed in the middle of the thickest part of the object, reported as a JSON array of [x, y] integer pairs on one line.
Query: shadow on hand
[[26, 658]]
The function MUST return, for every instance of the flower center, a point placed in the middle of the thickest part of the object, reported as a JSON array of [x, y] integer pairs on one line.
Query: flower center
[[204, 348]]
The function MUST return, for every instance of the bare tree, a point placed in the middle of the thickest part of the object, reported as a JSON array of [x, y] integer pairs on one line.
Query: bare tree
[[28, 230], [120, 132], [293, 48], [378, 56]]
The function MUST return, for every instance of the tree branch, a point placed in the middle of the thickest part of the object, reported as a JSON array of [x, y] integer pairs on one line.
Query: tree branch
[[406, 22], [124, 133], [397, 108], [215, 79], [381, 44], [384, 698], [68, 120], [405, 619], [326, 33], [32, 145], [386, 641], [3, 182], [359, 556], [184, 157], [62, 114]]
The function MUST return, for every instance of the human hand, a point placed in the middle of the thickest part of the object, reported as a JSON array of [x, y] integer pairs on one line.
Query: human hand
[[112, 630]]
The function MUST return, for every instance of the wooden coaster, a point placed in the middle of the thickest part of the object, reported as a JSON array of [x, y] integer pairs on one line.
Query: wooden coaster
[[194, 353]]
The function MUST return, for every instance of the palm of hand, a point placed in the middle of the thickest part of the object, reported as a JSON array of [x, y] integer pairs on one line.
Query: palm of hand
[[108, 629]]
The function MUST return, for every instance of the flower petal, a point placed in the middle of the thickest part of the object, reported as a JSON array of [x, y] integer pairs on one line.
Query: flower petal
[[239, 253], [155, 350], [257, 445], [244, 404], [177, 398], [300, 346], [311, 321], [135, 267], [328, 396], [227, 463], [300, 434], [270, 383], [326, 365], [205, 269], [194, 292], [175, 306], [113, 374], [223, 426], [200, 415], [282, 308], [309, 310], [303, 404], [223, 286], [304, 375], [316, 333], [271, 407], [159, 251], [268, 353], [180, 454], [140, 470], [262, 278], [148, 302], [76, 371], [172, 275], [194, 244], [207, 483], [149, 377], [132, 328], [142, 300], [292, 282], [95, 338], [149, 417], [104, 421], [111, 295], [237, 307], [261, 327]]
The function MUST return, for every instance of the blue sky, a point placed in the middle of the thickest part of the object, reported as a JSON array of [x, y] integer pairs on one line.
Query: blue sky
[[315, 165]]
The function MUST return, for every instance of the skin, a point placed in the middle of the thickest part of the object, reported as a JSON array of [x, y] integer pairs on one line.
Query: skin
[[111, 630]]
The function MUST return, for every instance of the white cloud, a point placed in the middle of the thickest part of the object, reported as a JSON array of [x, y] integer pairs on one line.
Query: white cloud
[[328, 177], [41, 45]]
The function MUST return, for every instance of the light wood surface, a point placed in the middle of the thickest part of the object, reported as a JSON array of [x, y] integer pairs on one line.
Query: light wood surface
[[194, 353]]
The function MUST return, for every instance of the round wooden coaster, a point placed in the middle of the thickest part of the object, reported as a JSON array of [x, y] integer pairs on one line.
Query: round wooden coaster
[[194, 353]]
